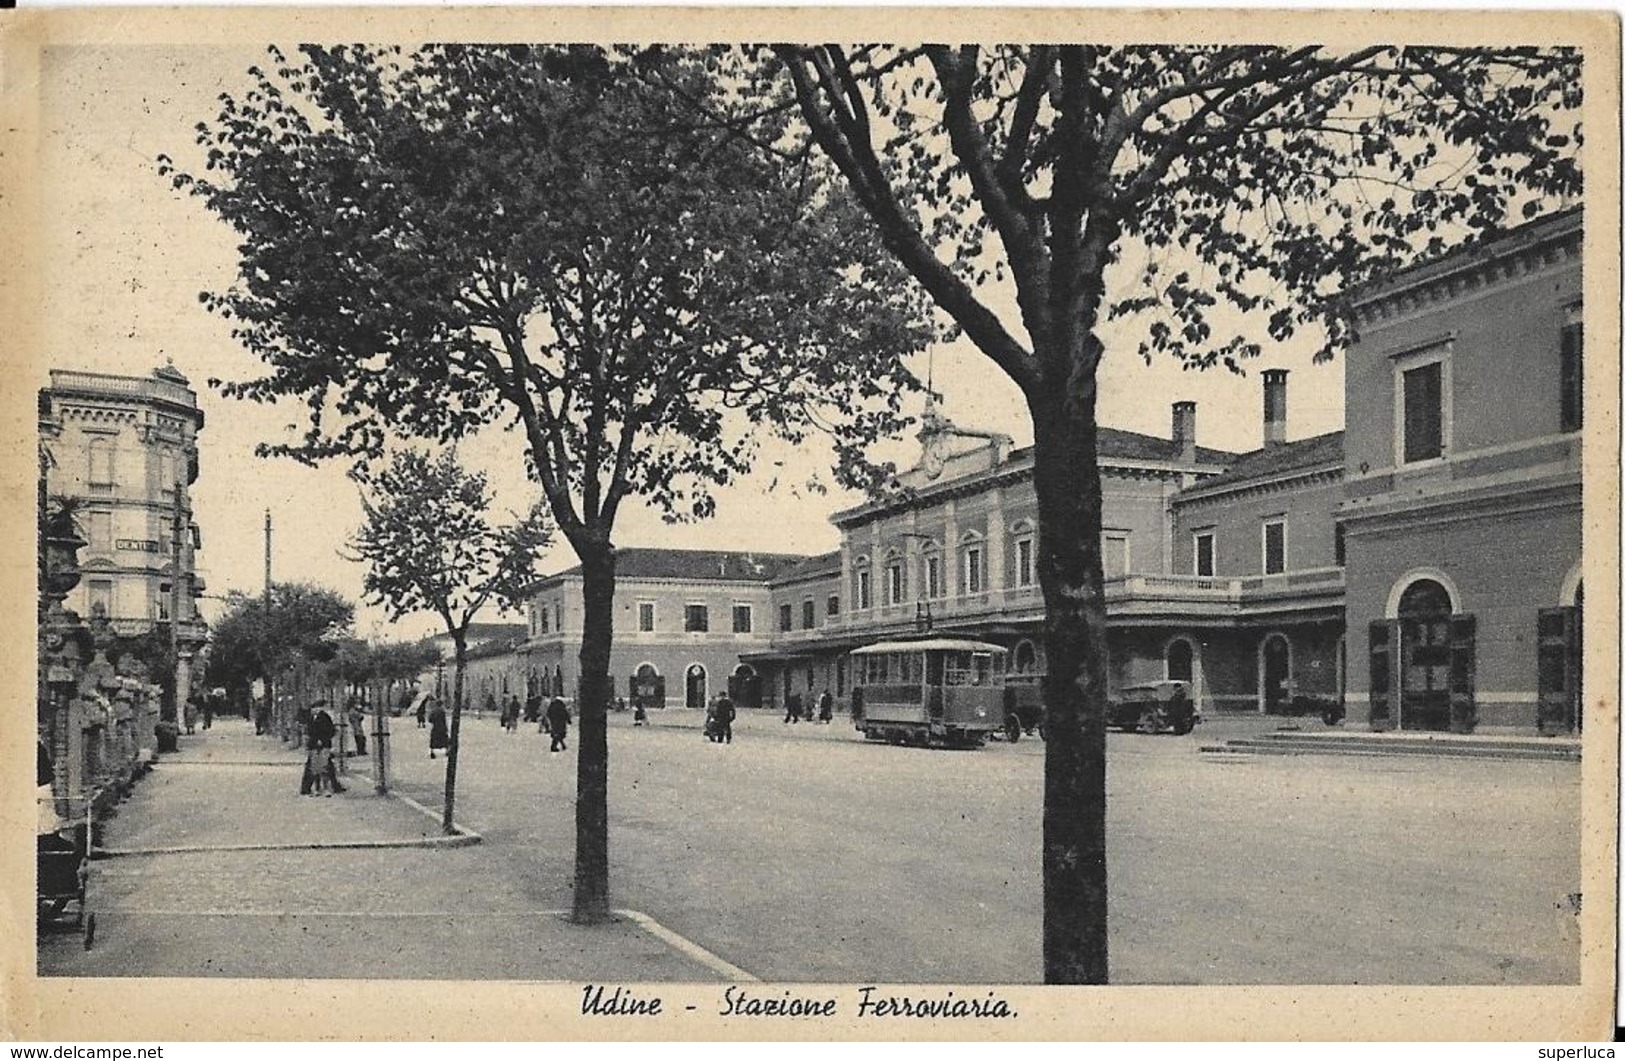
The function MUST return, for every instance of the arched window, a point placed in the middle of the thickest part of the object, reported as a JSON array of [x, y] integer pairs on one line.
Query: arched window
[[932, 582], [1424, 597], [1021, 546], [101, 462], [972, 564], [1024, 660]]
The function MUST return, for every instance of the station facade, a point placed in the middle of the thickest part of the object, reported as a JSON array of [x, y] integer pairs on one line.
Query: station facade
[[1420, 569]]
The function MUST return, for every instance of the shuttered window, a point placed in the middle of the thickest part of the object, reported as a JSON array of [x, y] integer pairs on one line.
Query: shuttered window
[[1424, 413]]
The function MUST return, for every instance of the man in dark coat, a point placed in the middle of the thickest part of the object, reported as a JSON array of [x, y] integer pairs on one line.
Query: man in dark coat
[[439, 735], [724, 720], [558, 722], [826, 707]]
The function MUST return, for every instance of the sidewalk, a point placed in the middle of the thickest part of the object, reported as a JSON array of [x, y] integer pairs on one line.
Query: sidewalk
[[228, 872]]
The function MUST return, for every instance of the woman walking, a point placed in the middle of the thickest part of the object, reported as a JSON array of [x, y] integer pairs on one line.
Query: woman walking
[[438, 736]]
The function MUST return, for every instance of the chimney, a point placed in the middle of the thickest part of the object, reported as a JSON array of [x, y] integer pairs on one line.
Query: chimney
[[1185, 430], [1274, 406]]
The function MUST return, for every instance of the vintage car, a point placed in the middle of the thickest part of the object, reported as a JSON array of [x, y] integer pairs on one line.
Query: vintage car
[[1154, 707]]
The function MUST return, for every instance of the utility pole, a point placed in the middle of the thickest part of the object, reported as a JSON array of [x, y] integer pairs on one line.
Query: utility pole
[[271, 711], [175, 554]]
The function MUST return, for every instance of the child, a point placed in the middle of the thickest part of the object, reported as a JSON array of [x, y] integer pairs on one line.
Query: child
[[319, 763]]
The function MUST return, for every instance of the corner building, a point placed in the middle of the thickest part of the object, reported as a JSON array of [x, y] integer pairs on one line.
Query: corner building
[[1462, 513]]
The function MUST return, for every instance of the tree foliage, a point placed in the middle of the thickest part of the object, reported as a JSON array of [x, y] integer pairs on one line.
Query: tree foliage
[[1215, 194], [251, 641], [430, 546], [546, 237]]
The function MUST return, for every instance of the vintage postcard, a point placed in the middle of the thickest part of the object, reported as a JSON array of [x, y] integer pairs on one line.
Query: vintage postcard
[[627, 524]]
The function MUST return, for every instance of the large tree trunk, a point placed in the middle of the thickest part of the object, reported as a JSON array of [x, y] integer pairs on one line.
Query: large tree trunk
[[459, 640], [1066, 477], [592, 748]]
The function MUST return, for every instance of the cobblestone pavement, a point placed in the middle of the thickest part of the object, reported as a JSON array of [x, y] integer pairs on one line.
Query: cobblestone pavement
[[394, 913]]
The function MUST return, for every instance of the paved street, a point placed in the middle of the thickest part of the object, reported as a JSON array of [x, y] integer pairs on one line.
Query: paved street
[[801, 853]]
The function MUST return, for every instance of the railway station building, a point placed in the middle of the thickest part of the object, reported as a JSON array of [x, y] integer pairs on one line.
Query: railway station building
[[1420, 568]]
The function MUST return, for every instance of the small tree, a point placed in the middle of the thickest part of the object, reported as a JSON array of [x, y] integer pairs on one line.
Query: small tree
[[429, 546]]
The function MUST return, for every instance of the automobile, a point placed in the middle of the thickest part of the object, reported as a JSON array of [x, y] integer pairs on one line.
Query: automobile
[[1154, 707]]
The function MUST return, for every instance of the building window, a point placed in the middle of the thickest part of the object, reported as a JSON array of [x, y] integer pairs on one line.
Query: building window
[[742, 619], [558, 617], [163, 602], [101, 596], [166, 472], [933, 577], [1572, 376], [1114, 554], [1422, 423], [832, 607], [646, 616], [1274, 546], [863, 589], [101, 530], [545, 621], [786, 620], [1024, 561], [1339, 546], [1204, 554], [894, 582], [101, 462], [809, 614], [973, 569], [696, 618]]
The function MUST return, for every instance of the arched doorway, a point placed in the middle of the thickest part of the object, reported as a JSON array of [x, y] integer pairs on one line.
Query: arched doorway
[[647, 687], [1181, 661], [1424, 611], [694, 686], [1275, 674], [745, 686]]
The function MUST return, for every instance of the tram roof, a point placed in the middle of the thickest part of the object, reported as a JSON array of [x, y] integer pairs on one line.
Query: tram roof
[[935, 644]]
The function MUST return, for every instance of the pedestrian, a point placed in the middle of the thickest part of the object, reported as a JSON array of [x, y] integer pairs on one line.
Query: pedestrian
[[510, 714], [358, 725], [826, 707], [792, 707], [724, 710], [640, 714], [319, 737], [318, 764], [533, 708], [262, 717], [301, 724], [439, 736], [423, 709], [558, 722], [209, 704]]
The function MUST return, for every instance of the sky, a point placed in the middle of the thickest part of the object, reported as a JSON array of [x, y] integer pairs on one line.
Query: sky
[[125, 257]]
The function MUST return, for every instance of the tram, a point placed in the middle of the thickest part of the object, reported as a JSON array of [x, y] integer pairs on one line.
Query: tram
[[939, 690]]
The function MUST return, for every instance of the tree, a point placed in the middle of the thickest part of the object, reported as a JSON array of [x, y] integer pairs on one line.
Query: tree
[[1210, 183], [429, 546], [543, 236], [252, 641]]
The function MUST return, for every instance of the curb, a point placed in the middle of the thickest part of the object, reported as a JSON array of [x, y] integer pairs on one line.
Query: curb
[[687, 947], [463, 837]]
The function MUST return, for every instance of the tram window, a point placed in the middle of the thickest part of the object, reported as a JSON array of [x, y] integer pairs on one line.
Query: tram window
[[933, 669]]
